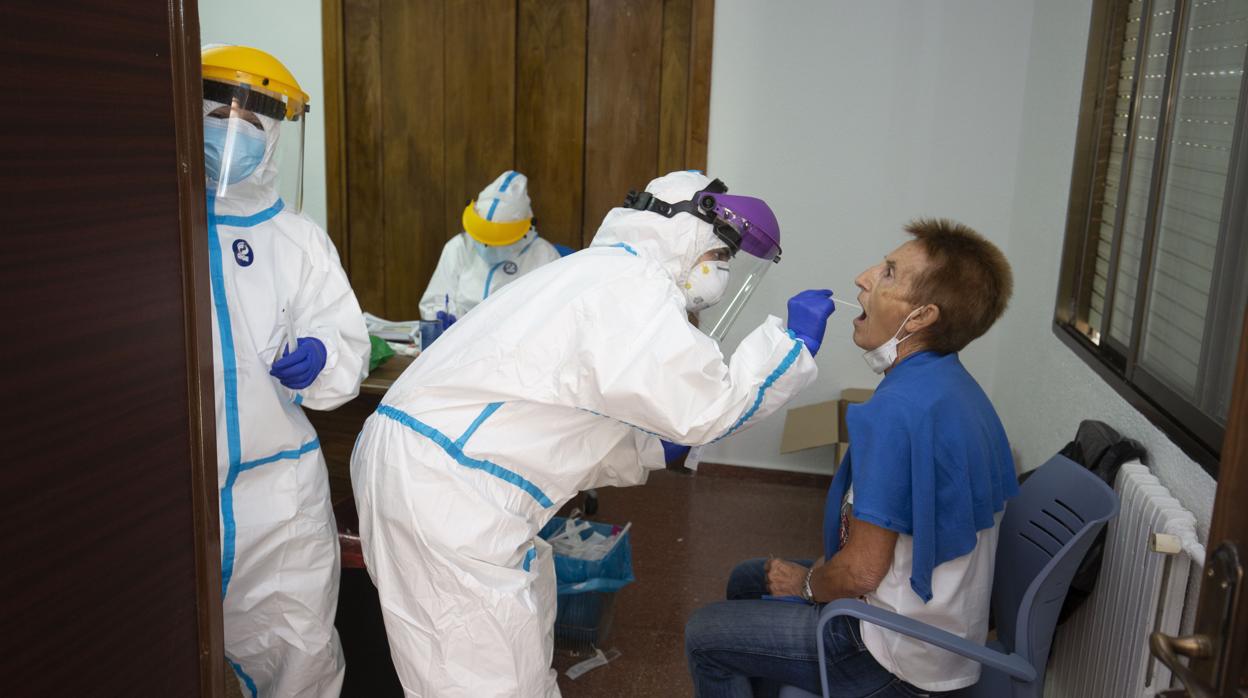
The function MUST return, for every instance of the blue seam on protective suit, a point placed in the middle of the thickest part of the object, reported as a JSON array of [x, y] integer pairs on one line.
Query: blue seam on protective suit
[[229, 380], [529, 556], [454, 451], [762, 389], [627, 424], [252, 220], [229, 370], [281, 455], [626, 247], [489, 279], [493, 207], [511, 174], [298, 399], [238, 669], [476, 423]]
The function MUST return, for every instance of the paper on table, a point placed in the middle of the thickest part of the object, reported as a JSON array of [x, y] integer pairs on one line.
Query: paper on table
[[391, 330]]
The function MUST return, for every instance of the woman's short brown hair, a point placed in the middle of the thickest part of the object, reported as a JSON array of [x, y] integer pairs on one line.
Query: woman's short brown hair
[[967, 277]]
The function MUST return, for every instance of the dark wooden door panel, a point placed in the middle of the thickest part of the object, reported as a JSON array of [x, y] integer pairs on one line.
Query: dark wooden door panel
[[362, 95], [622, 103], [550, 113], [104, 455], [480, 99], [414, 135]]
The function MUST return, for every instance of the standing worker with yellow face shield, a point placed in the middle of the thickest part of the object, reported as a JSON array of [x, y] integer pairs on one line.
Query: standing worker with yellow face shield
[[287, 335], [499, 245]]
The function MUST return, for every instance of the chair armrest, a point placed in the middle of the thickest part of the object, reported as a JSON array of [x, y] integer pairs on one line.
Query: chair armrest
[[1012, 664]]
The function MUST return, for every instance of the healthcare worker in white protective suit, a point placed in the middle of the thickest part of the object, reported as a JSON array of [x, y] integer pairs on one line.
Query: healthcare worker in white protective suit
[[567, 379], [499, 244], [287, 331]]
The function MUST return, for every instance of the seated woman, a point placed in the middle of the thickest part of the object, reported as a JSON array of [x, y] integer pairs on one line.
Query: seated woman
[[499, 245], [912, 515]]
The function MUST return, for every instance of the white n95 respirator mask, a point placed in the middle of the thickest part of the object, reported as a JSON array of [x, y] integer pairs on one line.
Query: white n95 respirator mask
[[705, 285]]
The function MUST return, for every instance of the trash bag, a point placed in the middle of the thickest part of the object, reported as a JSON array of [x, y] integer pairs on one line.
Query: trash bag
[[602, 562]]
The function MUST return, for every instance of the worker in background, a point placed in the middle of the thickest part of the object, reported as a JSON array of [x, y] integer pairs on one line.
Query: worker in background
[[287, 335], [585, 373], [499, 245]]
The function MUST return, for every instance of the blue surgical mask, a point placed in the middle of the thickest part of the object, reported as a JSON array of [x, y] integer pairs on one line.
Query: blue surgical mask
[[246, 151], [497, 254]]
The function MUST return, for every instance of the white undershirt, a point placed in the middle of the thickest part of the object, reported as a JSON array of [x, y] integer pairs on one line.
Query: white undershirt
[[961, 595]]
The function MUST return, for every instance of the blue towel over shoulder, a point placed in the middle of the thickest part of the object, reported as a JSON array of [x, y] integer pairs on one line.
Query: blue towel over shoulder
[[928, 458]]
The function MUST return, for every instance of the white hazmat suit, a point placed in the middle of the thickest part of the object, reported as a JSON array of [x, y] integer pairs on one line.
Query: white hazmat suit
[[563, 381], [274, 273], [467, 273]]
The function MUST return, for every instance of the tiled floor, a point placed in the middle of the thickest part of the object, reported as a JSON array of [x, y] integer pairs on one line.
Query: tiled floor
[[688, 532]]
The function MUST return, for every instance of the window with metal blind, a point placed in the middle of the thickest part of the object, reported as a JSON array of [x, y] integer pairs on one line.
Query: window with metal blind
[[1153, 289]]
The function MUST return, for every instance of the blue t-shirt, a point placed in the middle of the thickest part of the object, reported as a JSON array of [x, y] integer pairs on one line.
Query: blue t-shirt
[[928, 458]]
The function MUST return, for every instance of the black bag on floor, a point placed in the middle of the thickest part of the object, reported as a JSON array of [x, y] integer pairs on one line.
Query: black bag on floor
[[1102, 450]]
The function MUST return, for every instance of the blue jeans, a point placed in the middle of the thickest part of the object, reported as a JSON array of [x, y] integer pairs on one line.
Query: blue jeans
[[747, 646]]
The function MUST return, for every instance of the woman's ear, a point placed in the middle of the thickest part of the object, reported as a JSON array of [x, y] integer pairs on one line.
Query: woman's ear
[[925, 318]]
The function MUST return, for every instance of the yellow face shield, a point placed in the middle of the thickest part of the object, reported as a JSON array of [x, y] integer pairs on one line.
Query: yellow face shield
[[493, 232]]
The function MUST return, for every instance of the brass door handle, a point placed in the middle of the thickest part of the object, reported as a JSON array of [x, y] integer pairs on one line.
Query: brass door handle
[[1167, 650]]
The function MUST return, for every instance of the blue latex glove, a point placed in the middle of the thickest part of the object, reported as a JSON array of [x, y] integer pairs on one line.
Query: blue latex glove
[[808, 316], [446, 319], [297, 369], [672, 452]]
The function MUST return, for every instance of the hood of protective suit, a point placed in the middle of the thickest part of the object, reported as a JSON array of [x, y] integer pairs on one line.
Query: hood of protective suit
[[675, 243], [505, 199], [260, 187]]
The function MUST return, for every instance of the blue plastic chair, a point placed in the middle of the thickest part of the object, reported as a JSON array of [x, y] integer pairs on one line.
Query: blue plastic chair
[[1044, 535]]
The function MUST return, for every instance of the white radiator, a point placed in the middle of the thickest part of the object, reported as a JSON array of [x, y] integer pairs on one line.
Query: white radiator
[[1102, 650]]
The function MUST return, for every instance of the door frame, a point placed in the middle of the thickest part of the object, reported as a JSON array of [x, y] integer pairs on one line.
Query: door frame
[[1230, 523], [185, 63]]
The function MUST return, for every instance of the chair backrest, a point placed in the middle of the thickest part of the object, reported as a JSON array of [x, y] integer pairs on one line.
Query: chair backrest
[[1044, 535]]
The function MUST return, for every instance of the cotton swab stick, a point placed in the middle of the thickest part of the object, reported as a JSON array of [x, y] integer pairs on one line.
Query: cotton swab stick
[[838, 301]]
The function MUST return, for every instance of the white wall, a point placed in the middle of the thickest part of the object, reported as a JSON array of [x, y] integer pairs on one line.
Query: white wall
[[1041, 389], [851, 119], [290, 30]]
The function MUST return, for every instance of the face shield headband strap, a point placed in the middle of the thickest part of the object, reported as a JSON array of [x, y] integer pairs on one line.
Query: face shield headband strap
[[701, 206], [250, 100]]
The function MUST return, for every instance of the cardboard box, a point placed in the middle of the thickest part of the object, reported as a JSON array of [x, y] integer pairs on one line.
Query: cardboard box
[[850, 396], [821, 424], [810, 427], [857, 394]]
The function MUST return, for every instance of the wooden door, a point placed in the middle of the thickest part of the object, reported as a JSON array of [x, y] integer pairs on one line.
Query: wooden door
[[110, 581], [1217, 652], [1230, 524], [430, 100]]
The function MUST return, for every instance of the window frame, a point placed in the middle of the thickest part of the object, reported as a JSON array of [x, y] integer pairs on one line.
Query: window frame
[[1197, 434]]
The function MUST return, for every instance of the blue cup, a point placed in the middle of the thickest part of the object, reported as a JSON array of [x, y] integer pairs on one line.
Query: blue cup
[[429, 331]]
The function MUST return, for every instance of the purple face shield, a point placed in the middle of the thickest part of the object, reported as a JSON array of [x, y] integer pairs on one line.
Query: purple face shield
[[743, 223]]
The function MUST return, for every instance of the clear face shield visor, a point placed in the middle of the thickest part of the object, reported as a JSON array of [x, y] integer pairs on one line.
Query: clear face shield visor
[[745, 225], [242, 148], [757, 251]]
